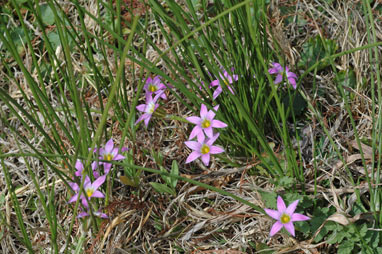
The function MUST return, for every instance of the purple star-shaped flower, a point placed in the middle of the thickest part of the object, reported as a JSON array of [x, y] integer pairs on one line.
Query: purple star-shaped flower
[[279, 70], [109, 153], [205, 123], [227, 79], [148, 108], [91, 190], [155, 86], [203, 149], [285, 216]]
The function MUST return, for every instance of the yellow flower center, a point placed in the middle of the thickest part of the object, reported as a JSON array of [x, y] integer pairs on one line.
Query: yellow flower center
[[285, 218], [206, 123], [89, 192], [226, 82], [152, 88], [205, 149], [108, 157]]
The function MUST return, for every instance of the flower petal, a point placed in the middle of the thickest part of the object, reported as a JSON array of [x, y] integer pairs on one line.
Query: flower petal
[[289, 227], [215, 83], [292, 81], [275, 228], [278, 79], [194, 120], [201, 137], [203, 111], [272, 71], [94, 165], [106, 167], [210, 115], [74, 186], [217, 92], [84, 201], [218, 124], [292, 207], [95, 174], [209, 132], [97, 194], [79, 166], [141, 107], [299, 217], [74, 198], [193, 156], [278, 67], [118, 157], [82, 214], [142, 117], [273, 213], [193, 145], [280, 205], [206, 159], [147, 120], [291, 74], [195, 131], [109, 146], [216, 150], [212, 140], [163, 95], [101, 215], [97, 183]]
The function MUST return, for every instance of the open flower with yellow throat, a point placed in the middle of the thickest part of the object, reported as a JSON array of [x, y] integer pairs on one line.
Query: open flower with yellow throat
[[285, 216], [203, 149], [205, 123]]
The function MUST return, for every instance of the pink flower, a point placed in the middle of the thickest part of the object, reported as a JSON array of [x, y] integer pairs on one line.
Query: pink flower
[[155, 86], [203, 149], [285, 216], [91, 190], [148, 108], [205, 123], [109, 153], [279, 70], [227, 79], [98, 214]]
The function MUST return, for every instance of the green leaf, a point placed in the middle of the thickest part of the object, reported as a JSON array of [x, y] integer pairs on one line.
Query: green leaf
[[336, 237], [174, 171], [162, 188], [196, 4], [2, 199], [346, 247], [314, 50], [164, 177], [346, 78], [263, 248], [127, 181], [372, 238], [19, 38], [54, 39], [47, 15], [269, 199], [286, 181]]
